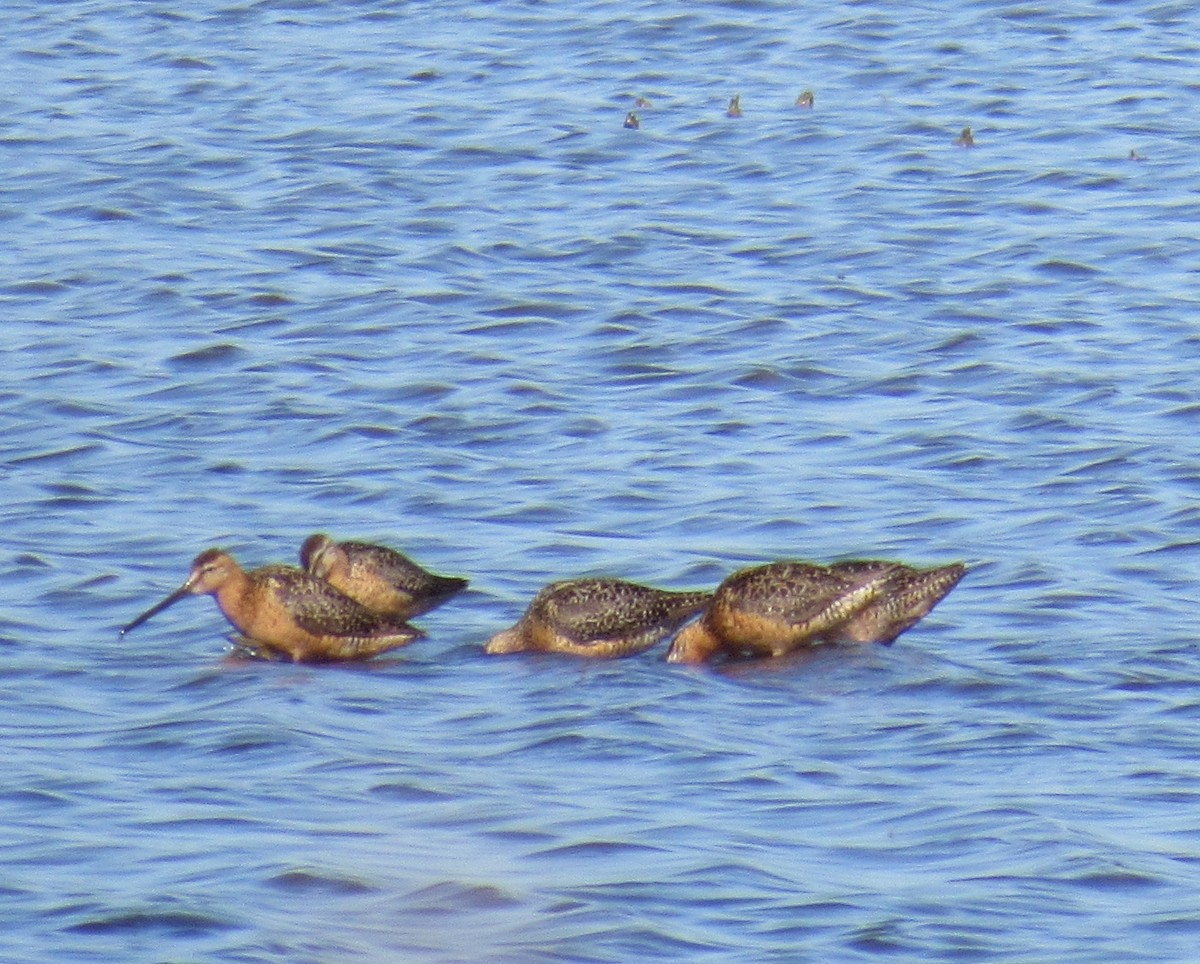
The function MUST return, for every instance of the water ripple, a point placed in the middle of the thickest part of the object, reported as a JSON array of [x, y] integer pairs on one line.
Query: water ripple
[[270, 273]]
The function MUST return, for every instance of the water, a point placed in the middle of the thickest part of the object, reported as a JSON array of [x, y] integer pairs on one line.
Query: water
[[397, 272]]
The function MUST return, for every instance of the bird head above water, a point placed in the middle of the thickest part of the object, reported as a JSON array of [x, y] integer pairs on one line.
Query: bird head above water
[[319, 554], [287, 611], [210, 570]]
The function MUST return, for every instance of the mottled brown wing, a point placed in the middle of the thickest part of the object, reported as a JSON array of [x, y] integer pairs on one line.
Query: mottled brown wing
[[788, 592], [861, 567], [320, 609], [594, 610], [398, 570], [905, 597]]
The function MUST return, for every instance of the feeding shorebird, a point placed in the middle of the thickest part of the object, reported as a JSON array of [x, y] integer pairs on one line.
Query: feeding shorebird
[[598, 618], [379, 578], [287, 611], [776, 608]]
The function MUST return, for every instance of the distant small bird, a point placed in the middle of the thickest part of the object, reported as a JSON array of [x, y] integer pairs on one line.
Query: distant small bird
[[735, 106], [805, 99], [287, 612], [631, 121], [965, 139], [774, 609], [598, 618], [381, 579]]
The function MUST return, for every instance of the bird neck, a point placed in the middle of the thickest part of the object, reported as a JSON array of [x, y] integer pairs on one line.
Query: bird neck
[[233, 599]]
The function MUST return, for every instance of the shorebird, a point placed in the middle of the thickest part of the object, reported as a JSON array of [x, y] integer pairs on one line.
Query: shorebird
[[598, 618], [287, 611], [774, 609], [381, 579]]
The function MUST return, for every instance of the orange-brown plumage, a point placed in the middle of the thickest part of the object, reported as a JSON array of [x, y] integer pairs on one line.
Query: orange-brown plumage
[[598, 618], [377, 577], [287, 611], [776, 608]]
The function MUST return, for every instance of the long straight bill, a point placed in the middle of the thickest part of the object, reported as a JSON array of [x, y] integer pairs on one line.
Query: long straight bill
[[177, 595]]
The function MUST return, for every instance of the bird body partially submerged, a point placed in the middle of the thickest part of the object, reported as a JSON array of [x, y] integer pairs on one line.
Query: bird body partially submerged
[[776, 608], [598, 618], [287, 611]]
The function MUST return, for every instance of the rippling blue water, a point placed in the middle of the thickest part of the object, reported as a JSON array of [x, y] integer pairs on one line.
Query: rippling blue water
[[397, 272]]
